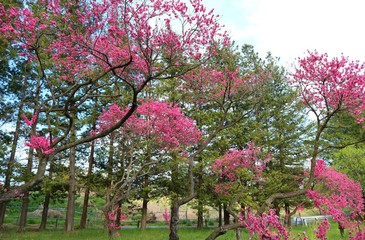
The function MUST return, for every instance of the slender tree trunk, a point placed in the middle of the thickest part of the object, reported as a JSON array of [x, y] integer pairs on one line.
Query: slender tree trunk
[[11, 162], [226, 215], [47, 196], [200, 223], [25, 200], [110, 201], [287, 221], [47, 199], [144, 213], [277, 208], [23, 212], [174, 219], [83, 219], [238, 233], [110, 163], [70, 212], [2, 215], [289, 216], [119, 214], [176, 201], [220, 215]]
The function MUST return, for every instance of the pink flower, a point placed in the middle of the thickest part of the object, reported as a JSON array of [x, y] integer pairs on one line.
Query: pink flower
[[160, 120], [40, 143], [323, 227], [166, 215], [112, 219], [335, 194], [264, 225], [31, 121]]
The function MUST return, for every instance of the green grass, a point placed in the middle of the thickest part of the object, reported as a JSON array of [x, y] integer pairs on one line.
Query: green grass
[[333, 233], [128, 234], [147, 234]]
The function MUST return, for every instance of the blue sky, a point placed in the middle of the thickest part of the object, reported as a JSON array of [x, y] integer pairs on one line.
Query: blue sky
[[288, 28]]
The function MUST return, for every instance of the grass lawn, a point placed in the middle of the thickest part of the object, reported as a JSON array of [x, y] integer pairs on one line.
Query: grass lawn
[[127, 234], [147, 234]]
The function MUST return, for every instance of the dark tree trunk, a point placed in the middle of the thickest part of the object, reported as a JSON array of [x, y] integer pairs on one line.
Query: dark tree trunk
[[24, 212], [2, 215], [25, 200], [174, 219], [70, 212], [119, 214], [110, 165], [83, 219], [200, 223], [276, 207], [288, 214], [226, 215], [47, 198], [238, 233], [220, 215], [110, 201], [144, 213]]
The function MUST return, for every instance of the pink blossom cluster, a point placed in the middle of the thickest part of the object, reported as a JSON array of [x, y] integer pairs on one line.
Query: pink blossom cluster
[[41, 143], [166, 216], [164, 122], [335, 194], [331, 84], [112, 218], [225, 189], [105, 35], [215, 84], [322, 230], [358, 235], [32, 121], [266, 226], [38, 142], [234, 161]]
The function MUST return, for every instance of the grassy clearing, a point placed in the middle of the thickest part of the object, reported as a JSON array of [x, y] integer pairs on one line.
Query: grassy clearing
[[149, 234]]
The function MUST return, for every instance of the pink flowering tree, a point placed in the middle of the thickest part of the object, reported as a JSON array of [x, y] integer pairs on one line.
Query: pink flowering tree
[[240, 172], [327, 88], [160, 125], [336, 195], [81, 50]]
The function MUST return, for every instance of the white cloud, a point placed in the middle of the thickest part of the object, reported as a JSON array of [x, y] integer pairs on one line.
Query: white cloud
[[288, 28]]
